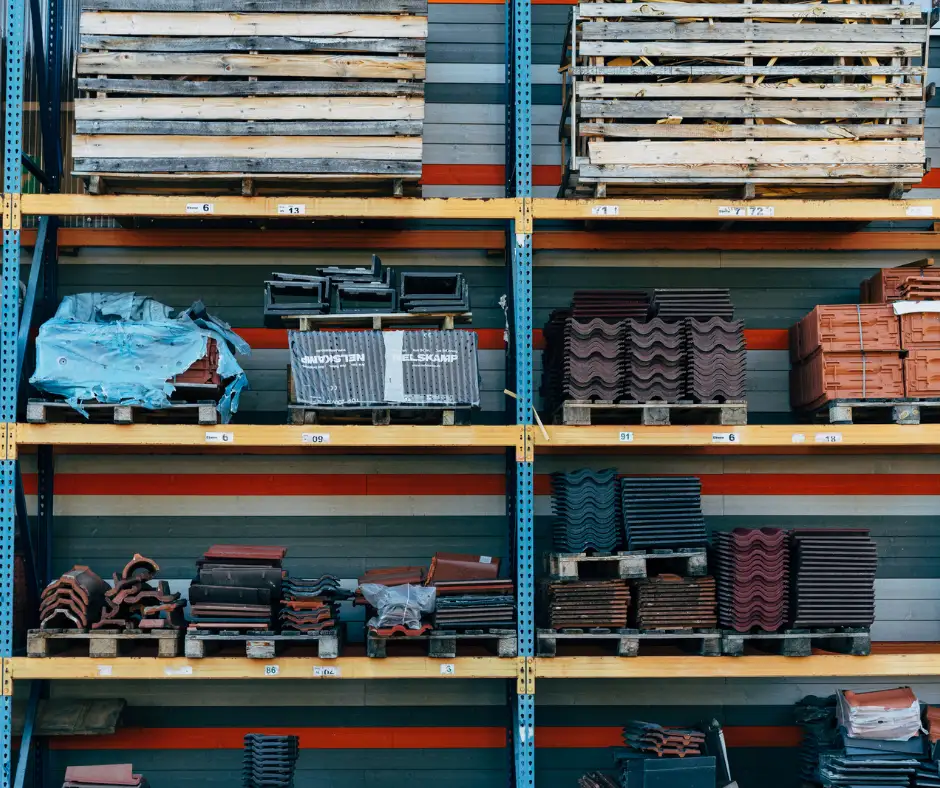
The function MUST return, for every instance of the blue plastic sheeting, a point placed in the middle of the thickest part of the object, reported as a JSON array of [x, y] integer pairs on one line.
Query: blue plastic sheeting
[[124, 349]]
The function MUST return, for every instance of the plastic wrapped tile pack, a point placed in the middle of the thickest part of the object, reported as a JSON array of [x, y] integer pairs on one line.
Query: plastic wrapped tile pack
[[888, 715], [337, 368], [125, 349]]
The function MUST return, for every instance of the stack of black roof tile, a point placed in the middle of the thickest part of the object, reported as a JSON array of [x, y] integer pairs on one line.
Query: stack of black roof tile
[[438, 291], [833, 578], [702, 303], [655, 361], [752, 566], [472, 604], [717, 360], [311, 604], [593, 360], [553, 360], [867, 767], [660, 512], [672, 602], [269, 761], [586, 604], [653, 738], [610, 305], [295, 294], [817, 717], [586, 505]]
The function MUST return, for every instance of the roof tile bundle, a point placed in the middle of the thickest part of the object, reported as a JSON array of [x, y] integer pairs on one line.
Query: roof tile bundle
[[269, 761], [111, 775], [884, 287], [660, 512], [472, 604], [433, 291], [610, 305], [672, 304], [238, 587], [833, 578], [717, 360], [132, 603], [881, 714], [656, 361], [311, 605], [586, 505], [652, 738], [74, 601], [923, 287], [586, 604], [593, 360], [752, 568], [838, 769], [672, 602]]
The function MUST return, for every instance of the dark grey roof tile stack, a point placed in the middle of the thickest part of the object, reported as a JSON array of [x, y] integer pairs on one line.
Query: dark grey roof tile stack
[[717, 360]]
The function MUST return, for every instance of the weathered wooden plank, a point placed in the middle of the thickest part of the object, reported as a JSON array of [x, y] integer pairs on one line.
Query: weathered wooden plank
[[263, 6], [704, 173], [198, 147], [256, 166], [251, 44], [750, 108], [781, 90], [173, 87], [671, 10], [728, 132], [721, 70], [744, 152], [352, 108], [359, 128], [746, 49], [330, 66], [119, 23], [729, 31]]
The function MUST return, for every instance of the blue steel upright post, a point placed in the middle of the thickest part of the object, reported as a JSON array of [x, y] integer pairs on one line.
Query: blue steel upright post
[[14, 29]]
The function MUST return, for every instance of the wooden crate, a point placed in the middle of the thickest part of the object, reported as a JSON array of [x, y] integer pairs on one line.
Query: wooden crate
[[744, 99], [250, 96]]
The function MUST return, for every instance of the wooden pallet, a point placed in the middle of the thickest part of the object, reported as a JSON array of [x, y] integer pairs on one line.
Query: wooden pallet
[[56, 411], [627, 565], [378, 320], [262, 645], [326, 95], [378, 417], [877, 411], [743, 99], [104, 643], [631, 642], [583, 413], [445, 644], [799, 642]]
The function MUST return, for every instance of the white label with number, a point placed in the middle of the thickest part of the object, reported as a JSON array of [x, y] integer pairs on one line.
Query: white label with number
[[726, 437], [740, 212], [828, 437], [605, 210], [105, 670], [272, 670], [315, 437], [186, 670], [730, 211], [798, 437], [448, 669], [327, 671], [291, 209], [920, 210], [200, 207], [220, 437], [760, 210], [626, 437]]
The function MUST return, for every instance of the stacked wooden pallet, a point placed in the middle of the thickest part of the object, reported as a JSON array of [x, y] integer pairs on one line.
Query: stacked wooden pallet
[[744, 98], [252, 95]]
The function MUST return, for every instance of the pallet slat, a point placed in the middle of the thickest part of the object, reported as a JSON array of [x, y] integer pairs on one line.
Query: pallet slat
[[234, 167], [385, 128], [723, 31], [251, 44], [749, 108], [263, 6], [731, 90], [776, 131], [201, 89], [682, 10]]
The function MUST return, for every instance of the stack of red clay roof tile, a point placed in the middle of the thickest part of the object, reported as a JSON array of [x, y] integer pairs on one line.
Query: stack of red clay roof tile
[[655, 739], [74, 601], [924, 287], [702, 303], [586, 604], [885, 286], [311, 604], [833, 581], [133, 603], [752, 566], [610, 305], [846, 351], [656, 355], [672, 602], [593, 360], [112, 775], [920, 337], [717, 360]]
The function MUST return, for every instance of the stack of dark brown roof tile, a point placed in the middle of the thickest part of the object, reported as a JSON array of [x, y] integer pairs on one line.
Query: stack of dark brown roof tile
[[109, 775], [833, 578], [662, 512], [717, 360], [74, 601], [133, 603], [593, 360], [752, 567], [652, 738], [586, 604], [472, 604], [672, 602], [610, 305], [702, 303], [587, 511], [311, 604], [655, 361]]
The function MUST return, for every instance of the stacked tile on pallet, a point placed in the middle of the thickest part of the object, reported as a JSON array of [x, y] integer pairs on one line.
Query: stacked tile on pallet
[[671, 602], [884, 287], [833, 578], [470, 594], [717, 360], [587, 604], [655, 739], [920, 337], [586, 505], [674, 304], [655, 361], [845, 352], [269, 760], [311, 604], [661, 512], [610, 305], [752, 567], [74, 601], [594, 360], [132, 603]]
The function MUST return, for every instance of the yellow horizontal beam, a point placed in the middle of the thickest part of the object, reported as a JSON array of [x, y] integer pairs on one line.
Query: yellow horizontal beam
[[737, 667], [240, 436], [282, 207], [785, 437], [241, 668], [783, 209]]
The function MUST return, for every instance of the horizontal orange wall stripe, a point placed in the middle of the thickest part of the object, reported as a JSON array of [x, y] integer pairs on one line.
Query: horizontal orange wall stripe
[[395, 738], [233, 484], [931, 180], [483, 175]]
